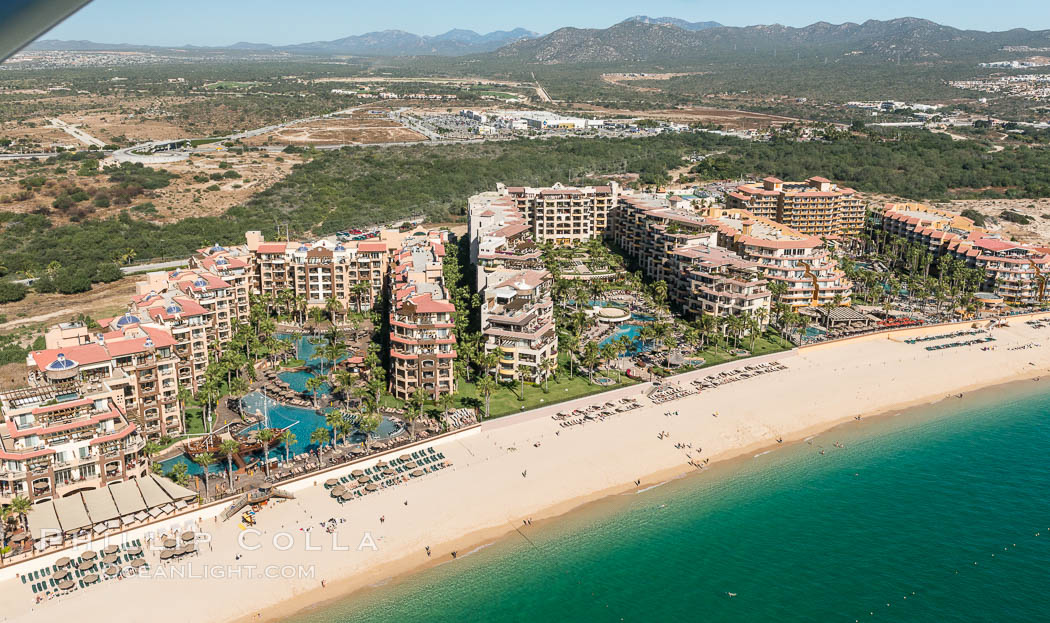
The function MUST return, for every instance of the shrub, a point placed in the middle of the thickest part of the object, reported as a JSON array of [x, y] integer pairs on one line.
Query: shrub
[[11, 292], [108, 273]]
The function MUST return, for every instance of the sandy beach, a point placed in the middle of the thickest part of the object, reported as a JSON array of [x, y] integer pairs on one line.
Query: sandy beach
[[529, 467]]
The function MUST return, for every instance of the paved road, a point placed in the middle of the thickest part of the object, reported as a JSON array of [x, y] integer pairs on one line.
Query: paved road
[[77, 133], [137, 268]]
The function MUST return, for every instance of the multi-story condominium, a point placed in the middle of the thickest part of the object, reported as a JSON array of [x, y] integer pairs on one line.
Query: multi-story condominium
[[1015, 272], [797, 260], [817, 206], [564, 215], [351, 272], [672, 241], [60, 438], [517, 322], [422, 337], [499, 234], [189, 324], [219, 298], [129, 356]]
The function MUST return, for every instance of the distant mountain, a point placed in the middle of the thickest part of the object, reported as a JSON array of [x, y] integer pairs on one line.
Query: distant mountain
[[455, 42], [652, 40], [673, 21]]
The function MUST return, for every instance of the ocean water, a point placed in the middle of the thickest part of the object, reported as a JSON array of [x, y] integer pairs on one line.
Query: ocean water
[[929, 515]]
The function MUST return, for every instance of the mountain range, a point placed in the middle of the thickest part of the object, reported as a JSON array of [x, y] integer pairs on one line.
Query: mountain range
[[456, 42], [643, 38], [647, 39]]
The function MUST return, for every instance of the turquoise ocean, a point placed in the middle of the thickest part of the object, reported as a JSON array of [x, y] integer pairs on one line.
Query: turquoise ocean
[[940, 513]]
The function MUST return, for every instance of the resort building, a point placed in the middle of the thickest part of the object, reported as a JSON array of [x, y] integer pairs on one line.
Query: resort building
[[189, 323], [561, 214], [517, 322], [673, 242], [59, 439], [1015, 272], [816, 207], [422, 340], [499, 234], [782, 254], [352, 272], [127, 355]]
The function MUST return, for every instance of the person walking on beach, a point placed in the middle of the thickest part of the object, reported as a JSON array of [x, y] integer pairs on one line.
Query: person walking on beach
[[382, 519]]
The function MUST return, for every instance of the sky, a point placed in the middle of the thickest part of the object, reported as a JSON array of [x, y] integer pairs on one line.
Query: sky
[[281, 22]]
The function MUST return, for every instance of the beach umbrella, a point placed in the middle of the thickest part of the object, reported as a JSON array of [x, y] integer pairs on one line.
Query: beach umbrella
[[188, 536], [166, 554], [363, 480], [357, 473], [138, 562], [416, 473], [338, 490], [62, 562], [135, 551], [66, 585], [84, 566], [381, 464], [111, 549], [112, 558], [61, 575], [371, 487], [346, 496], [88, 555], [169, 543], [411, 465], [404, 457], [112, 570], [331, 482], [90, 578], [388, 472]]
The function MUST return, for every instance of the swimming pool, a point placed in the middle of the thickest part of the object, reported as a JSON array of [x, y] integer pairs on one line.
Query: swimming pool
[[301, 420], [632, 331], [306, 350]]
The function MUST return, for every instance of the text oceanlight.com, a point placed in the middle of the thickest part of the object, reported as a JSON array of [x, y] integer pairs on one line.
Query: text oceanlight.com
[[238, 571]]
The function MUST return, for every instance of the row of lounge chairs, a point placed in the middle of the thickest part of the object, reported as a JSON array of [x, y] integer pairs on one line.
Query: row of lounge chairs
[[944, 336], [981, 340], [595, 412], [738, 374], [668, 392]]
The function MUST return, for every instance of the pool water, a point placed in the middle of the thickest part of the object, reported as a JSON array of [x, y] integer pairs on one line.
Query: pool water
[[633, 332], [814, 332], [307, 351]]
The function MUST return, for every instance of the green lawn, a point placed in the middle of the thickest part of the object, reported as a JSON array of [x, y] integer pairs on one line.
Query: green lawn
[[194, 421], [770, 342], [505, 400]]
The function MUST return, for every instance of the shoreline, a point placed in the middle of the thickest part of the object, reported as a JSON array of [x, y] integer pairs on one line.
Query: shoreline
[[485, 495], [403, 569]]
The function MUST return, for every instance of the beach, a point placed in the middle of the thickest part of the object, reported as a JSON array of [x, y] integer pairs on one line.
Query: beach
[[528, 467]]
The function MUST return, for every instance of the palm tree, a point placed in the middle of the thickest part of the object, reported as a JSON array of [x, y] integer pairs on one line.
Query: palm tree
[[359, 289], [446, 402], [205, 460], [319, 437], [548, 367], [486, 386], [333, 307], [266, 436], [334, 419], [287, 438], [591, 357], [20, 506], [416, 401], [5, 516], [368, 423], [151, 450], [313, 384], [570, 342], [228, 448]]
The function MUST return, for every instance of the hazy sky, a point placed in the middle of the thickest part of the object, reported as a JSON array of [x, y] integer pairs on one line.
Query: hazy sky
[[222, 22]]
